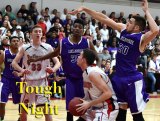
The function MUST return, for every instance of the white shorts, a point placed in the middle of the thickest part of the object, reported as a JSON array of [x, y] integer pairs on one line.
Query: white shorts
[[100, 115], [38, 99]]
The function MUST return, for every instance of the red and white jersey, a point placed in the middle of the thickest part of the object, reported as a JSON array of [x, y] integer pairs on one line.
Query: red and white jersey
[[93, 92], [37, 68]]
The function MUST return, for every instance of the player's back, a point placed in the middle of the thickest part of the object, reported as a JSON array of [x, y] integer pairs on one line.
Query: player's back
[[94, 92], [69, 54]]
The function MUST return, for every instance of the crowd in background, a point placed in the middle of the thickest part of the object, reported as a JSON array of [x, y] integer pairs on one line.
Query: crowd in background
[[57, 25]]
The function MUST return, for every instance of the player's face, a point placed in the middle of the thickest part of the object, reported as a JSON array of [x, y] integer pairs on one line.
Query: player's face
[[130, 25], [15, 43], [80, 59], [37, 34], [78, 29]]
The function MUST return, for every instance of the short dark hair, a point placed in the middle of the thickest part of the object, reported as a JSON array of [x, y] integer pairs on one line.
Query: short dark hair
[[79, 21], [140, 21], [90, 56], [11, 38]]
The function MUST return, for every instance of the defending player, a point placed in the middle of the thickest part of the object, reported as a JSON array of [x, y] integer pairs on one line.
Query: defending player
[[8, 82]]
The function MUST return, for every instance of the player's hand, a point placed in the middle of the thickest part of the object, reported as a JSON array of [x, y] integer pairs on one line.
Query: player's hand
[[49, 70], [83, 106], [144, 5], [25, 72], [31, 60], [76, 11], [18, 74]]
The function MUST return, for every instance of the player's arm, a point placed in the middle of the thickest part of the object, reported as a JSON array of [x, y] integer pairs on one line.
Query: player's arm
[[154, 30], [17, 59], [100, 17], [97, 80], [1, 57], [52, 54], [57, 64]]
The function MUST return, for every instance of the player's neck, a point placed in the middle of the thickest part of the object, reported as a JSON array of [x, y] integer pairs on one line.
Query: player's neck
[[14, 50], [75, 39], [36, 43]]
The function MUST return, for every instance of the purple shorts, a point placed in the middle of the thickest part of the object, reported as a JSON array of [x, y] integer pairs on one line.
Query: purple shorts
[[131, 92], [7, 86], [74, 88]]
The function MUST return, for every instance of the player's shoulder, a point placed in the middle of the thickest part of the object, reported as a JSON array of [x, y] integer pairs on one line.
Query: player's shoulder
[[45, 45], [26, 46]]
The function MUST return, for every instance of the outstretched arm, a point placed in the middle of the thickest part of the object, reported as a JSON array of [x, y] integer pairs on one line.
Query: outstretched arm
[[154, 30], [100, 17], [50, 55]]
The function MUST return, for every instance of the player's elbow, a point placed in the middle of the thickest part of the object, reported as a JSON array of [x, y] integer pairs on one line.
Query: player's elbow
[[156, 31], [108, 94]]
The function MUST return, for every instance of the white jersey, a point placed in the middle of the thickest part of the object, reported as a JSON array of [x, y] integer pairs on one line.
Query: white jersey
[[37, 68], [93, 92]]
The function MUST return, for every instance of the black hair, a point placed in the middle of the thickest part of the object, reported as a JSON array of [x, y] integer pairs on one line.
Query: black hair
[[90, 56], [79, 21], [11, 38], [140, 21]]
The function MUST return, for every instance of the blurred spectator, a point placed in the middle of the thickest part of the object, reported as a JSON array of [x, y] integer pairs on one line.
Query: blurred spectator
[[42, 24], [24, 11], [67, 30], [152, 69], [8, 11], [64, 14], [61, 33], [47, 22], [33, 11], [18, 32], [53, 39]]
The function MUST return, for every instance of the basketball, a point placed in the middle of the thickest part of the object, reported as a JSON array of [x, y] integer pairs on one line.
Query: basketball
[[72, 106]]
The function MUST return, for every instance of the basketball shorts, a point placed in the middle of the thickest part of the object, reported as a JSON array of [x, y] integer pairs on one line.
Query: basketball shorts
[[74, 88], [100, 115], [7, 86], [131, 92], [37, 98]]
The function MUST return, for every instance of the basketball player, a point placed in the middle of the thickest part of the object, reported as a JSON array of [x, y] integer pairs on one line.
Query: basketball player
[[128, 82], [8, 82], [36, 72], [70, 49], [100, 98]]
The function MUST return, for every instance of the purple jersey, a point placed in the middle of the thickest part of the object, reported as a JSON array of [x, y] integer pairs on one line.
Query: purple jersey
[[8, 68], [127, 55], [69, 54]]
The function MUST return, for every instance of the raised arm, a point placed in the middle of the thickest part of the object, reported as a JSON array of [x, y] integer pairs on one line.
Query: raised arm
[[100, 17], [154, 30]]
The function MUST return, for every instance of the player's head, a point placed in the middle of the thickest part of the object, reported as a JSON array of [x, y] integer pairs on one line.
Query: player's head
[[136, 24], [36, 33], [14, 42], [87, 57], [78, 27]]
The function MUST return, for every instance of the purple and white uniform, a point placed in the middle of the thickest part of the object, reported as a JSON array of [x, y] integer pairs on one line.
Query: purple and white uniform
[[8, 82], [128, 82], [74, 81]]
